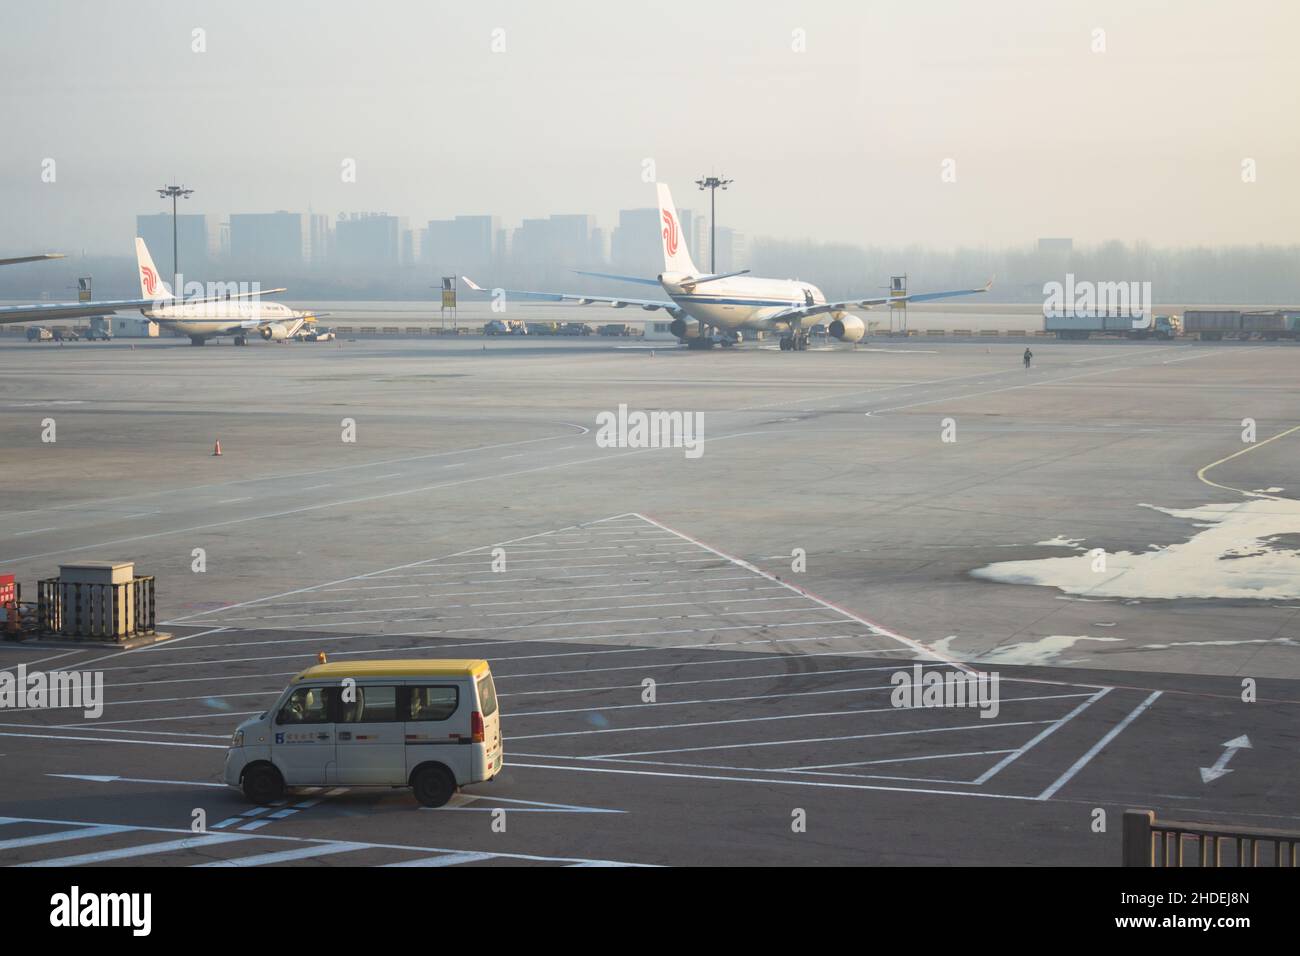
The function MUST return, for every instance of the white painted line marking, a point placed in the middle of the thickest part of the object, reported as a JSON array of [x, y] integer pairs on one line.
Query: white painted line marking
[[110, 779], [1097, 747], [147, 849], [536, 805], [446, 859], [284, 856], [757, 720], [1015, 755], [84, 833], [870, 625], [303, 840], [817, 740], [114, 740], [868, 763], [768, 780]]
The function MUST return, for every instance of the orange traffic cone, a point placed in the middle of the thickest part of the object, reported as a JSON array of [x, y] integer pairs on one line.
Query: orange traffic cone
[[216, 450]]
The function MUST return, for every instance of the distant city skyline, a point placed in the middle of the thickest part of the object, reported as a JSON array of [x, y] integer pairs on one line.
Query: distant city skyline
[[283, 241]]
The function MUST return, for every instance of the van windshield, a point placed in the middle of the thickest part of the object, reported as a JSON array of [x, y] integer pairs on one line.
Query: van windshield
[[487, 695]]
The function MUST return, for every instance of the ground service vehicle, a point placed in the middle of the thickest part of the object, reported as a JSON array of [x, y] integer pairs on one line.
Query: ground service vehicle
[[431, 725]]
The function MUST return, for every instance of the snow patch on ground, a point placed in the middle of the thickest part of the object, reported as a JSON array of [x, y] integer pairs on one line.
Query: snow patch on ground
[[1240, 553], [1061, 541], [1044, 650]]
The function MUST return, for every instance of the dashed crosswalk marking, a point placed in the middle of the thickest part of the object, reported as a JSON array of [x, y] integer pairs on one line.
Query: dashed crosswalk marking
[[84, 833], [285, 856], [266, 849], [144, 849]]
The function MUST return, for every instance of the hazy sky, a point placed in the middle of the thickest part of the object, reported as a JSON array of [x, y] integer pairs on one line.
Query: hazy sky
[[845, 140]]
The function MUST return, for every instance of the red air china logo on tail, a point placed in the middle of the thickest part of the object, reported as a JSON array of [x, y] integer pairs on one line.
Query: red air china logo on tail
[[670, 233], [150, 280]]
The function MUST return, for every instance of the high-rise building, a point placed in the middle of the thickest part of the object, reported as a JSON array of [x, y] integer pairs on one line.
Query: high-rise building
[[197, 240], [464, 245], [370, 240], [571, 240], [733, 251], [635, 246], [270, 242], [320, 237], [597, 248]]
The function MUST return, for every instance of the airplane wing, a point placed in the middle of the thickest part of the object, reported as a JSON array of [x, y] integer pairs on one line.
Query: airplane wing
[[39, 311], [799, 312], [616, 302], [40, 258]]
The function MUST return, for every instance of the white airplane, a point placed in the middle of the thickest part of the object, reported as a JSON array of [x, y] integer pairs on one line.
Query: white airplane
[[208, 315], [203, 319], [735, 302]]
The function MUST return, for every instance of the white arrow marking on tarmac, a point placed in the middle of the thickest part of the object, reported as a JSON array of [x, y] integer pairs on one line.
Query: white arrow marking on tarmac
[[1220, 767], [101, 778]]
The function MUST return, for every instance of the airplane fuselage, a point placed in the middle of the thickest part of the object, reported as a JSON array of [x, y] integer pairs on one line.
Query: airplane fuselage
[[205, 320], [739, 302]]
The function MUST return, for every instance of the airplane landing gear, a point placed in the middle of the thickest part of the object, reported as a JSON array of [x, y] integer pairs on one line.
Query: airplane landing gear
[[196, 340], [240, 340], [794, 342]]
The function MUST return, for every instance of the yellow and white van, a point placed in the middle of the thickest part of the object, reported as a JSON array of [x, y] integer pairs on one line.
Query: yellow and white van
[[432, 725]]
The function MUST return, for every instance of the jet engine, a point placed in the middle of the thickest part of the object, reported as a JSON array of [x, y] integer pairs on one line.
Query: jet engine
[[274, 332], [847, 328]]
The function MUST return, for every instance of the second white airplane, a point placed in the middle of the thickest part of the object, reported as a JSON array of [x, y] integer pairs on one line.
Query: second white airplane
[[209, 318], [735, 302]]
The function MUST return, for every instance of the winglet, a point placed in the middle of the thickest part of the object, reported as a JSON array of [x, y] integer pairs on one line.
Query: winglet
[[470, 282]]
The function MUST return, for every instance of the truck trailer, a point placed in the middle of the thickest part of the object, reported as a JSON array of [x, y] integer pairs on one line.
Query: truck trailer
[[1083, 326], [1213, 325]]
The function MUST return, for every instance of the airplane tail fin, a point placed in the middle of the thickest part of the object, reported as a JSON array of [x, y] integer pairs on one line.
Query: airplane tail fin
[[152, 285], [677, 258]]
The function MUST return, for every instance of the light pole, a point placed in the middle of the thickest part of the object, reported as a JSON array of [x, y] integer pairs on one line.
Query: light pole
[[174, 192], [711, 183]]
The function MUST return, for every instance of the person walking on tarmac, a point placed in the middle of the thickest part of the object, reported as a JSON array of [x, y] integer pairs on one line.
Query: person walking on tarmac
[[1029, 357]]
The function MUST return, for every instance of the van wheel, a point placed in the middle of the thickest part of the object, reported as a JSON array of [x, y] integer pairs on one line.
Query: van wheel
[[263, 784], [433, 786]]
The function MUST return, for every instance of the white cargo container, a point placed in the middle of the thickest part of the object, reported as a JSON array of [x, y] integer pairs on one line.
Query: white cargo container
[[134, 327]]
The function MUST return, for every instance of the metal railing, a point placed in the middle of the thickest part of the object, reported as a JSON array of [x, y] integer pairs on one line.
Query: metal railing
[[111, 612], [1152, 842]]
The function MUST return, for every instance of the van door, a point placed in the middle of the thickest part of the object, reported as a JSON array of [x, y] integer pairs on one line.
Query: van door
[[493, 751], [371, 748], [437, 726], [303, 737]]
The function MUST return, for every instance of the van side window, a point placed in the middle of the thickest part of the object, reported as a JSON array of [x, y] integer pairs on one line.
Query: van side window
[[372, 705], [307, 705], [487, 695], [432, 703]]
